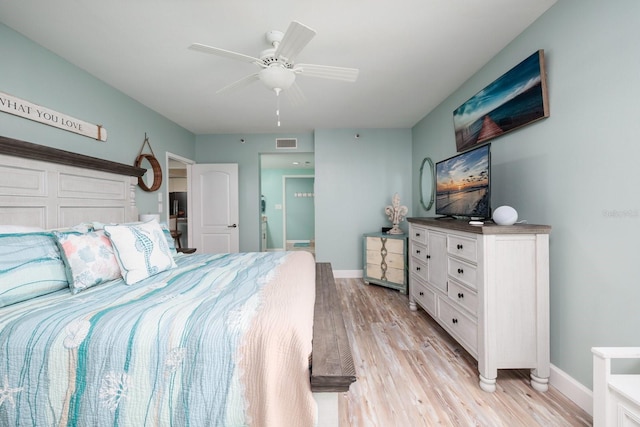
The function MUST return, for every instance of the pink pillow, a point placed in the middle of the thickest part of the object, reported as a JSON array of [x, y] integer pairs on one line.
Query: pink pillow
[[89, 259]]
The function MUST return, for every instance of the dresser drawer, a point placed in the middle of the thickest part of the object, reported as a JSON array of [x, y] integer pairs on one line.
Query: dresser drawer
[[419, 251], [459, 324], [394, 246], [464, 297], [463, 247], [419, 269], [424, 296], [463, 272], [418, 234]]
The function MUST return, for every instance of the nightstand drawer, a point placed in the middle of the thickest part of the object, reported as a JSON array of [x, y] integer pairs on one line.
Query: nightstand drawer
[[463, 272], [392, 260], [395, 275], [392, 246], [463, 247]]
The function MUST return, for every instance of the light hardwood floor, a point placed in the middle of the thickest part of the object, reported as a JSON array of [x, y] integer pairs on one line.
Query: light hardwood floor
[[411, 373]]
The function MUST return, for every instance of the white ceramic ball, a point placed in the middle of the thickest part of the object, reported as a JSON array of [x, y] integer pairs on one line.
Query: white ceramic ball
[[505, 215]]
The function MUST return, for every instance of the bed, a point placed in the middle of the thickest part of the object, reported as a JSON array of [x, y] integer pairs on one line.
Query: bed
[[201, 339]]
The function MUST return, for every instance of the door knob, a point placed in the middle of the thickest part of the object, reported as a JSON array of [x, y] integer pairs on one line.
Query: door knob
[[232, 226]]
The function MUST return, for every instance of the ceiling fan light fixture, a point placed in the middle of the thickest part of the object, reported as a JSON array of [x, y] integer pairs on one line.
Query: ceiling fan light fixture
[[277, 64], [277, 77]]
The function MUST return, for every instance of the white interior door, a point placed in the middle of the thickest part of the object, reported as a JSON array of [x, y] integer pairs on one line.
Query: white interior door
[[214, 208]]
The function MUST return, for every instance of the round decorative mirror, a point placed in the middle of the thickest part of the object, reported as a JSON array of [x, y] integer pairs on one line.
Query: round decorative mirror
[[427, 184], [147, 161]]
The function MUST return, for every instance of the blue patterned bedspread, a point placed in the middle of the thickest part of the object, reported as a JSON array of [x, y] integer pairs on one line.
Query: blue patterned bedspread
[[221, 340]]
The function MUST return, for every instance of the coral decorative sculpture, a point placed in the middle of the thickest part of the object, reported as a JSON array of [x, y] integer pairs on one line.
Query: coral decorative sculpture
[[396, 214]]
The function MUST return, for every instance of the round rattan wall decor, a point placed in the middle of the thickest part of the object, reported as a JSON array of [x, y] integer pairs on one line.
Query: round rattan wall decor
[[155, 167]]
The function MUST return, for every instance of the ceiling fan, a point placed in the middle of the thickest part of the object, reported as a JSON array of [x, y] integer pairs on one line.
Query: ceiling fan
[[278, 68]]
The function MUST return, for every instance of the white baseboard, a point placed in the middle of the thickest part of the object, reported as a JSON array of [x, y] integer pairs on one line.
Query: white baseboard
[[567, 385], [347, 274]]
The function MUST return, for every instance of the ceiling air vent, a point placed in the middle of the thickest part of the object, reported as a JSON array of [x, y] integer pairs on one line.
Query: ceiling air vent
[[288, 143]]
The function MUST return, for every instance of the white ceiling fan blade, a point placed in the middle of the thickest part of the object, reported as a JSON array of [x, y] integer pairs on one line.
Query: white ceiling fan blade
[[294, 40], [328, 72], [225, 53], [245, 81], [295, 96]]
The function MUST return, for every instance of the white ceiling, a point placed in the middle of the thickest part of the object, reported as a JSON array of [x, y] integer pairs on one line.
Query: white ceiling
[[412, 54]]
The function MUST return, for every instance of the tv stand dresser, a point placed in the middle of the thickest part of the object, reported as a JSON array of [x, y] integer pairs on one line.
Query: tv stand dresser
[[488, 287]]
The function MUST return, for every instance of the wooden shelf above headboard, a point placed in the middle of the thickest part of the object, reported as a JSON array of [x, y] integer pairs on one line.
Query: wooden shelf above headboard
[[28, 150]]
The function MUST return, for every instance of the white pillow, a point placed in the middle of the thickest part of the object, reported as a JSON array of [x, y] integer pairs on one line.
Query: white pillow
[[141, 250]]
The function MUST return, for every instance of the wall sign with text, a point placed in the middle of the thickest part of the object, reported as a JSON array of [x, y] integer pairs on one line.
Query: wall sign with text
[[19, 107]]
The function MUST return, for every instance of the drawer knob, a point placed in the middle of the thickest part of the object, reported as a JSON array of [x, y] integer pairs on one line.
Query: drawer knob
[[459, 246], [418, 251], [454, 320], [428, 256], [417, 234], [421, 293], [417, 268], [460, 295], [460, 271]]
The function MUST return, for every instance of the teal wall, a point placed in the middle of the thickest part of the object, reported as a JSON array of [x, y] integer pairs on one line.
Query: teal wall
[[271, 184], [355, 179], [32, 73], [576, 171]]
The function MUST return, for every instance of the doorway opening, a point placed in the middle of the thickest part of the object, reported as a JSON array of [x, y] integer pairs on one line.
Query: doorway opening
[[275, 217], [177, 197]]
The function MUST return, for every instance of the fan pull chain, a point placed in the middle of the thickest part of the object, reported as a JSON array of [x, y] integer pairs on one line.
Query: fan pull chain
[[277, 90]]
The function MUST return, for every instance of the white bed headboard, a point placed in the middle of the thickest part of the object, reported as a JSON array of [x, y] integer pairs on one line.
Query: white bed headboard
[[53, 193]]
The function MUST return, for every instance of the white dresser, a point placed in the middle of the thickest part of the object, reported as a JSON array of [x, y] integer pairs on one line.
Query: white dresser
[[487, 286]]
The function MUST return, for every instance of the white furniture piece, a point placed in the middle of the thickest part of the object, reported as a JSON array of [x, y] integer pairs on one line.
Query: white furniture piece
[[488, 287], [616, 397], [385, 260]]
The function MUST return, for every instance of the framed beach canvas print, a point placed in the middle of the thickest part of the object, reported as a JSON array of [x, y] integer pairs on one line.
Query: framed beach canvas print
[[517, 98]]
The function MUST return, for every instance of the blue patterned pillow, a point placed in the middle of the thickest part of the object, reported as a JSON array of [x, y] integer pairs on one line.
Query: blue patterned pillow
[[141, 250], [89, 259], [30, 266]]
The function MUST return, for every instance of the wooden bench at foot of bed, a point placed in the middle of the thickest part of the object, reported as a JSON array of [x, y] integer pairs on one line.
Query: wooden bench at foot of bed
[[332, 368]]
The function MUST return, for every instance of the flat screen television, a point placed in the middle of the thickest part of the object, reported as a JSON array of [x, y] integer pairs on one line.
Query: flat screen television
[[463, 184]]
